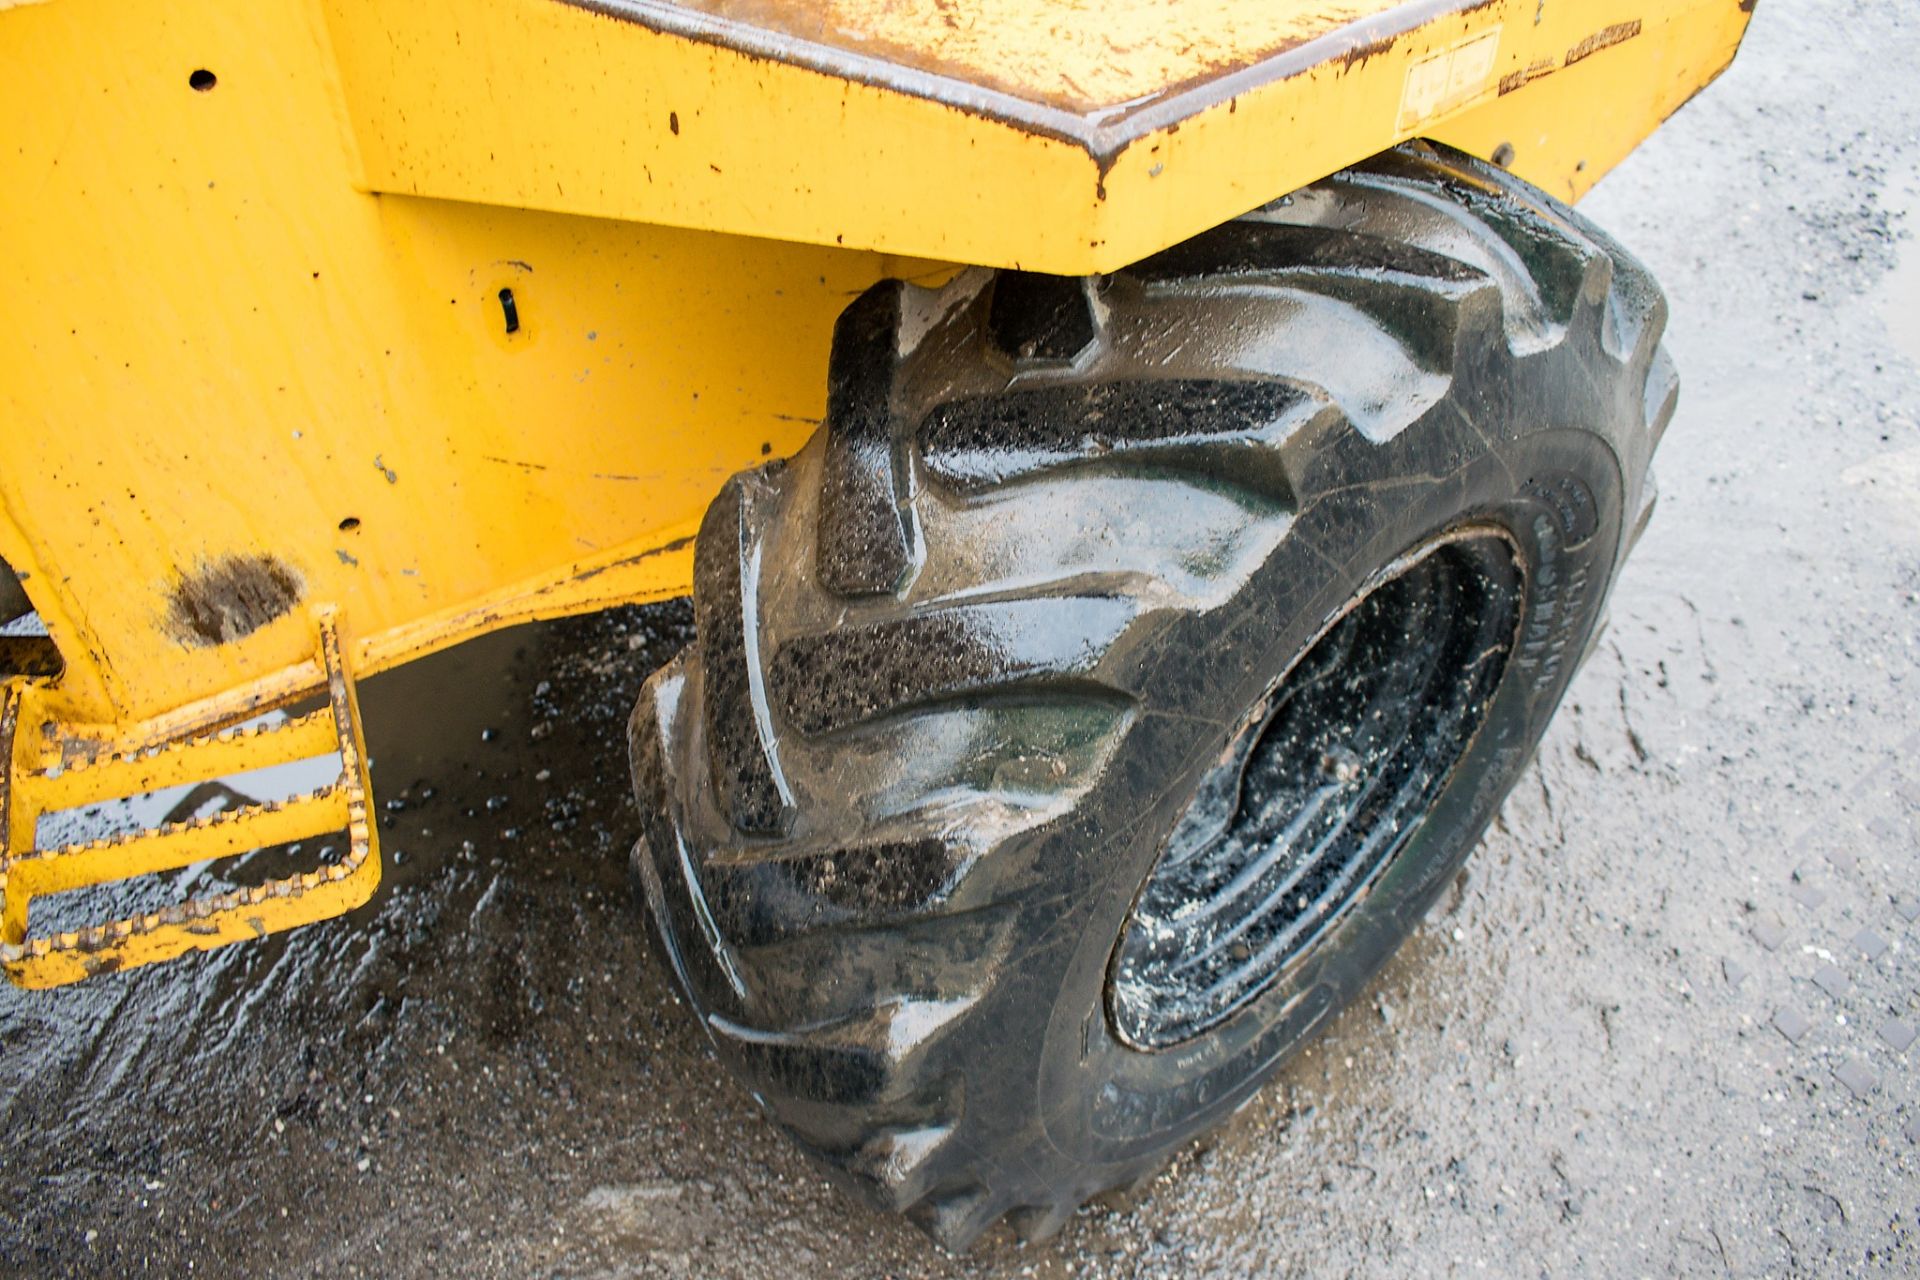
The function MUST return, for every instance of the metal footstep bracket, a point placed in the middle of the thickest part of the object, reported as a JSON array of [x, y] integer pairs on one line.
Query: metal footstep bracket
[[43, 776]]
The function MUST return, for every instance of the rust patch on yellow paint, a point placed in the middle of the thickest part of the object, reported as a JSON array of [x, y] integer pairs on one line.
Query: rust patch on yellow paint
[[231, 597], [1606, 38], [678, 544], [1526, 75], [1360, 55]]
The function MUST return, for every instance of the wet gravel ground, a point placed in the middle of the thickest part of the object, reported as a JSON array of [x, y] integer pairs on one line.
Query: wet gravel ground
[[1665, 1024]]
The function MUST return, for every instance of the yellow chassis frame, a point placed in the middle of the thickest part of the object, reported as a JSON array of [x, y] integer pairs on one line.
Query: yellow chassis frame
[[431, 318]]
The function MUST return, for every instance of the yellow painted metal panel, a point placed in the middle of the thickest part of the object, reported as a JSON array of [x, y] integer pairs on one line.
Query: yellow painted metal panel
[[1569, 120], [232, 376], [1115, 130], [544, 105]]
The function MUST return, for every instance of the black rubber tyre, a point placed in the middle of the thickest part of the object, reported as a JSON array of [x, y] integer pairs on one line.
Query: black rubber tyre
[[1328, 499]]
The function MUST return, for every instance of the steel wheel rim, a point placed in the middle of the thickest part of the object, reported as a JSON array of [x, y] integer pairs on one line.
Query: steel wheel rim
[[1320, 790]]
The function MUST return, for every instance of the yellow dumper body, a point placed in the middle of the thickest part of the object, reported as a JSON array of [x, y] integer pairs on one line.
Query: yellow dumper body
[[342, 331]]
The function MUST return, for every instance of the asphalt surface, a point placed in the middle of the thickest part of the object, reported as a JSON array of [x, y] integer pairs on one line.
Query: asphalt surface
[[1661, 1026]]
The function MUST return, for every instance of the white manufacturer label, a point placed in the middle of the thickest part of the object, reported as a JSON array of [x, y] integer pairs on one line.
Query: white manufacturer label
[[1439, 83]]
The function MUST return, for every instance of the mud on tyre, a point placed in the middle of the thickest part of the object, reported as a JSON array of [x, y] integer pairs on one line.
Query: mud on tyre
[[1096, 702]]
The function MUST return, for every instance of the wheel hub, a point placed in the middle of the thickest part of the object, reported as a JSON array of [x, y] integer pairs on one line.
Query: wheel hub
[[1322, 787]]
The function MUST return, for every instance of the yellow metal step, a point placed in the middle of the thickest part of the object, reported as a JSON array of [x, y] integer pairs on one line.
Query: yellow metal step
[[41, 779], [110, 774]]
